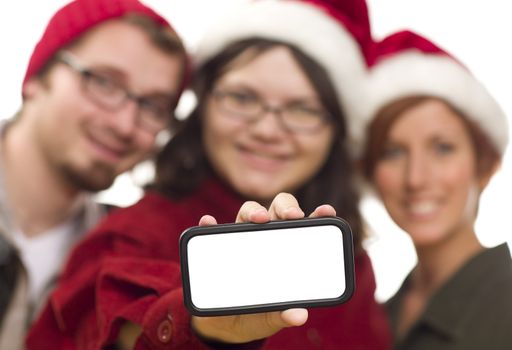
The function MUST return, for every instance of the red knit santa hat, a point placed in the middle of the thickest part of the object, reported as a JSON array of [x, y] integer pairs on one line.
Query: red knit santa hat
[[77, 17], [406, 64], [334, 33]]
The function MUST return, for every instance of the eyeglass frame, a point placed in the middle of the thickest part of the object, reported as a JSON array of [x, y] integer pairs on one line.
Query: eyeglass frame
[[219, 95], [155, 124]]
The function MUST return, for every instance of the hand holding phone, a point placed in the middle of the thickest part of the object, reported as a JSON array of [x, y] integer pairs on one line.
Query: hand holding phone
[[248, 268]]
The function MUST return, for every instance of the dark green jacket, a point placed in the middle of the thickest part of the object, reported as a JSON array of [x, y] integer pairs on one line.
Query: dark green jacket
[[472, 311]]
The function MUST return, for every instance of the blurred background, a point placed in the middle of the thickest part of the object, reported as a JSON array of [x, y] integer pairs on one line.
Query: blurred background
[[477, 32]]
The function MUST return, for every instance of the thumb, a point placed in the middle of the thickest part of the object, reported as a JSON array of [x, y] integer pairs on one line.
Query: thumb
[[288, 318]]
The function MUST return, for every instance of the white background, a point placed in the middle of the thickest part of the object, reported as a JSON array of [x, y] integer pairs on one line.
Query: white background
[[476, 31]]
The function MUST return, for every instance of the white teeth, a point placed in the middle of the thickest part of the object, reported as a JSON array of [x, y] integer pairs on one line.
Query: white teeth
[[261, 155], [264, 155], [422, 208]]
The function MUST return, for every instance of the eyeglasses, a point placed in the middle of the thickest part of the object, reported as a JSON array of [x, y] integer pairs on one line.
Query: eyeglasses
[[294, 117], [154, 113]]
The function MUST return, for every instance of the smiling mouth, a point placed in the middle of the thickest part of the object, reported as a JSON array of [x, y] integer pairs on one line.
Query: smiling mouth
[[105, 152], [422, 208], [263, 160]]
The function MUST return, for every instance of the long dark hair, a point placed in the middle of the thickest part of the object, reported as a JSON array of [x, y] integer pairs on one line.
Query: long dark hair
[[182, 164]]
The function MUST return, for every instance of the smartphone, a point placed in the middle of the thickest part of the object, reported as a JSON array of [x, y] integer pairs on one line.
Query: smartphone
[[234, 269]]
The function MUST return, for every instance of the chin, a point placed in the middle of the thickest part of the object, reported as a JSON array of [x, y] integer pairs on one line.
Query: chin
[[263, 197], [93, 181], [93, 184], [425, 238]]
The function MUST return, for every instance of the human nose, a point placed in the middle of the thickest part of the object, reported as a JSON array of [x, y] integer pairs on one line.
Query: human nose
[[417, 170], [276, 115], [124, 120], [269, 124]]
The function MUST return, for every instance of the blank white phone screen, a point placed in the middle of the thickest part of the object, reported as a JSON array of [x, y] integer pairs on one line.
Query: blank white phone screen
[[268, 266]]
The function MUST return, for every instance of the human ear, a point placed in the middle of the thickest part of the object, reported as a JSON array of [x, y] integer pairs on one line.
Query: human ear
[[31, 88], [485, 176]]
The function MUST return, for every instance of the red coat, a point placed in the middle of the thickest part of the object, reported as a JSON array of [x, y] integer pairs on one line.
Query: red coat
[[128, 269]]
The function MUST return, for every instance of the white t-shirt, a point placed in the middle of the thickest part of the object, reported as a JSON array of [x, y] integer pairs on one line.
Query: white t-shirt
[[43, 255]]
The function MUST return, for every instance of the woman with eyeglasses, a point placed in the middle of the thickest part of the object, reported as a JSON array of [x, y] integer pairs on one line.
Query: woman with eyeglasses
[[271, 117]]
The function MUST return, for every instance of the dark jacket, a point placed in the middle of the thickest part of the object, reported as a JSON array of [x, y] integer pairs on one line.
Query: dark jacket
[[471, 311]]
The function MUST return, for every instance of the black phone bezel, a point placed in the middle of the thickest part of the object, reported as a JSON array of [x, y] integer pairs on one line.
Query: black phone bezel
[[348, 250]]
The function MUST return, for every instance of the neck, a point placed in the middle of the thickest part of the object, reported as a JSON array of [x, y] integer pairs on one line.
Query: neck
[[39, 196], [437, 264]]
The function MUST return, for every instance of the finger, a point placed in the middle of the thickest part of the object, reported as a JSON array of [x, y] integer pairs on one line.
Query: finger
[[288, 318], [285, 207], [323, 210], [248, 327], [252, 212], [207, 220], [294, 317]]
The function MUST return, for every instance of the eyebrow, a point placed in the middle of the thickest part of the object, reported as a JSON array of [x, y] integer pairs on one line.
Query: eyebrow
[[120, 77], [248, 88]]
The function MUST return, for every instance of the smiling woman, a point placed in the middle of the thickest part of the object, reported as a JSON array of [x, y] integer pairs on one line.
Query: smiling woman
[[429, 144], [433, 140], [450, 25], [262, 156]]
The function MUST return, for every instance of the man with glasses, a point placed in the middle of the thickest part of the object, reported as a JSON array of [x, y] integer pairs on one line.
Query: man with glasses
[[101, 83]]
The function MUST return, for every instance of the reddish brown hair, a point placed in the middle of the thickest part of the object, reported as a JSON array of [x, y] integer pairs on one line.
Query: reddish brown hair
[[487, 156]]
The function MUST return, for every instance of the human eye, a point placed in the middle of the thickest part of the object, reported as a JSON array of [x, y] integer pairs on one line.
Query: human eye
[[103, 84], [154, 113], [391, 152], [444, 147], [159, 107], [305, 111], [239, 102], [301, 116], [241, 98]]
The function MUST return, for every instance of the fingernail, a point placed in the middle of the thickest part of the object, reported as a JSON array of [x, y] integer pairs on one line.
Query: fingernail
[[295, 211]]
